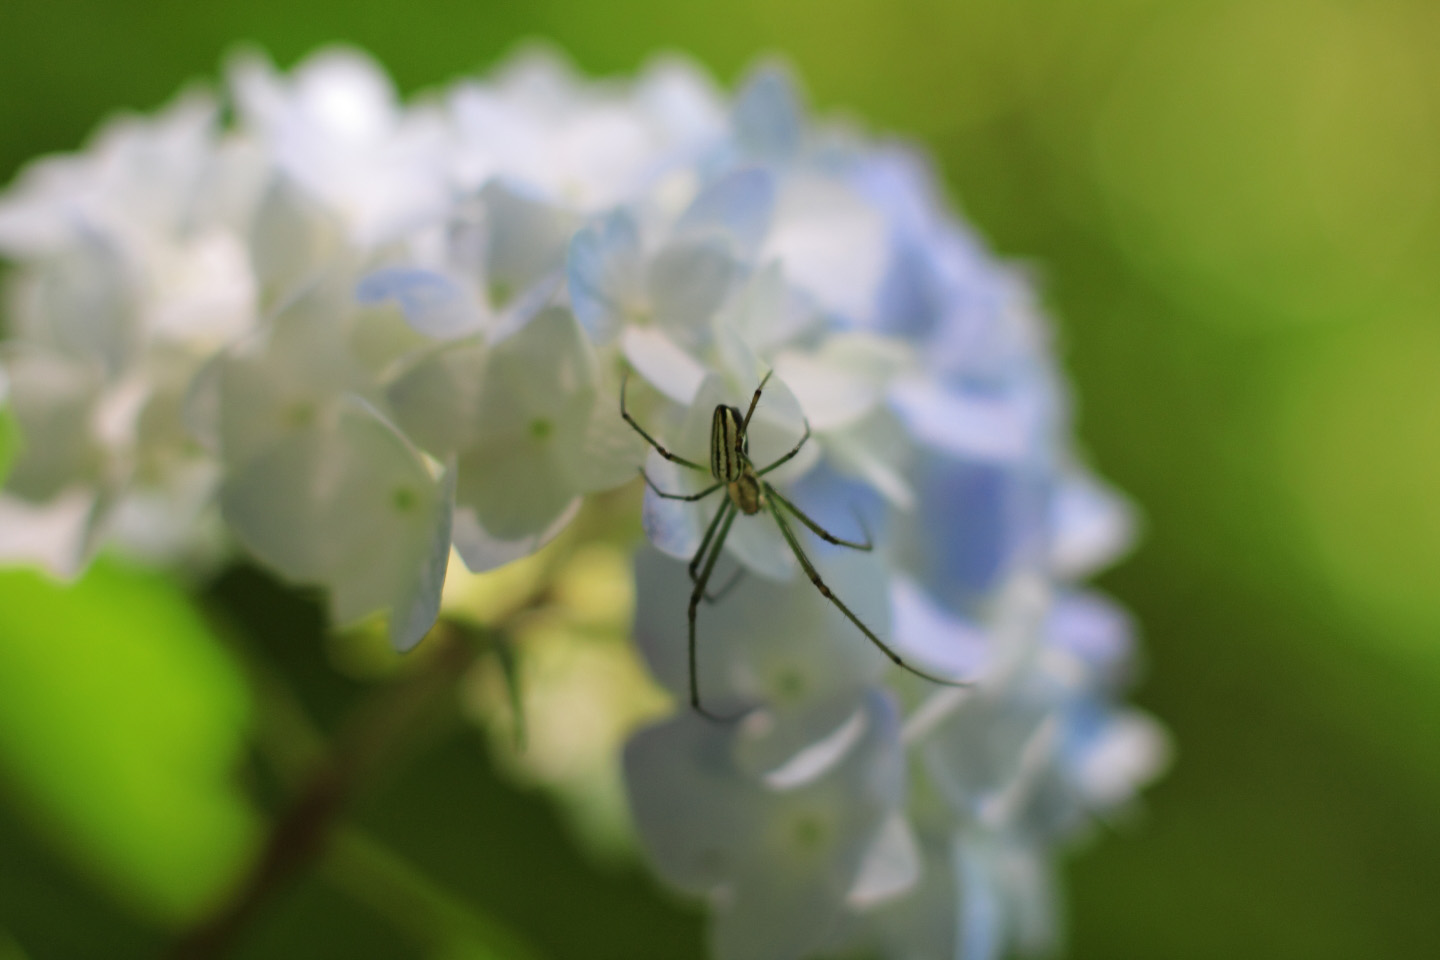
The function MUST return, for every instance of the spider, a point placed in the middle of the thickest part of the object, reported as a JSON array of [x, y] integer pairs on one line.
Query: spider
[[747, 493]]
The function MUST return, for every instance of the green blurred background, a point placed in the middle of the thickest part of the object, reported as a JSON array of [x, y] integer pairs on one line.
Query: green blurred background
[[1232, 210]]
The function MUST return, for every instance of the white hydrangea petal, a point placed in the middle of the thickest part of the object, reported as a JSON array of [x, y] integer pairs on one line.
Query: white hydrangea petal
[[201, 290], [284, 378], [418, 604], [765, 641], [52, 398], [921, 923], [483, 551], [787, 898], [341, 503], [758, 544], [604, 273], [610, 449], [682, 96], [436, 398], [1093, 526], [535, 400], [891, 867], [976, 754], [290, 240], [527, 238], [875, 449], [693, 810], [845, 379], [766, 312], [665, 365], [335, 128], [738, 361], [516, 488], [434, 304], [831, 396], [817, 756], [687, 281], [834, 244], [1007, 897], [49, 535], [738, 207], [545, 369], [776, 913], [82, 303]]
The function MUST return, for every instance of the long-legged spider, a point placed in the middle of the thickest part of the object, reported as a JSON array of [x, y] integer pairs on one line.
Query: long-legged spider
[[747, 493]]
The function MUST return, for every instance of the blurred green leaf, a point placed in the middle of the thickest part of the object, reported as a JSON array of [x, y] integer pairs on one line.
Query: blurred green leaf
[[9, 442], [374, 875], [121, 722]]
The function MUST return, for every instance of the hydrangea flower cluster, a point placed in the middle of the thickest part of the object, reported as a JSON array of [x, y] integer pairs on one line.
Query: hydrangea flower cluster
[[350, 335]]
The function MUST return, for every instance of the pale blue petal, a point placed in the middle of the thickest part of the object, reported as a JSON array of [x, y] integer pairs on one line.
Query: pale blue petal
[[931, 638], [604, 273], [768, 116], [1093, 525], [674, 526], [738, 206], [999, 427], [982, 934], [434, 304], [974, 526], [1093, 629]]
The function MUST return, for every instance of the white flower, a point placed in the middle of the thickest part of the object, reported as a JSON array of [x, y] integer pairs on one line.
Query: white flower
[[375, 332], [131, 271], [775, 836]]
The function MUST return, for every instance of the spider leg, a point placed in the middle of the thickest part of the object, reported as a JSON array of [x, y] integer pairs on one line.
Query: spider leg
[[818, 530], [692, 497], [704, 544], [789, 456], [724, 591], [709, 535], [649, 439], [695, 597], [825, 591], [754, 401]]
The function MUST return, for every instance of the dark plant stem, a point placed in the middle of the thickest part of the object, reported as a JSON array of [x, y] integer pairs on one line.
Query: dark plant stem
[[302, 833]]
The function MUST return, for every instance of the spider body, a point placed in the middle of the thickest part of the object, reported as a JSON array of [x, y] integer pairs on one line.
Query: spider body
[[730, 460], [747, 493]]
